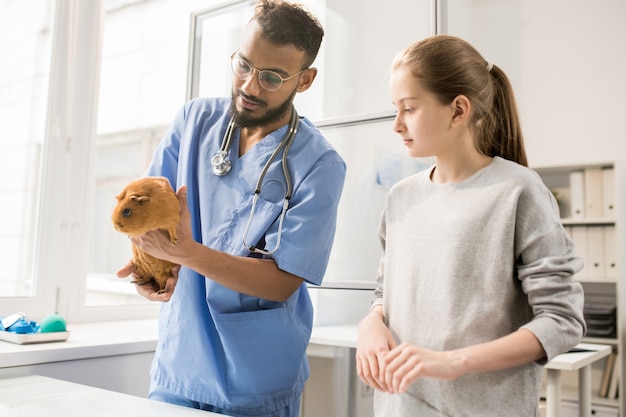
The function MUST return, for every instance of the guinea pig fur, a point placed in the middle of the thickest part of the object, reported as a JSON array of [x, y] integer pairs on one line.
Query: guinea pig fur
[[148, 204]]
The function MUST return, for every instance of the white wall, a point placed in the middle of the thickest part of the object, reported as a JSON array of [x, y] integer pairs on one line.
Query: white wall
[[575, 102], [566, 60]]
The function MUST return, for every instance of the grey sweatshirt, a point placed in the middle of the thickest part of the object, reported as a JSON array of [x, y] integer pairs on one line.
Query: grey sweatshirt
[[470, 262]]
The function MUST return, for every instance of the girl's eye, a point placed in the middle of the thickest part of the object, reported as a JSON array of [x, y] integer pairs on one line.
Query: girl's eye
[[408, 110]]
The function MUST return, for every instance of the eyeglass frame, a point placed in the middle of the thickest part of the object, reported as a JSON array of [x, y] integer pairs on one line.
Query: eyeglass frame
[[258, 71]]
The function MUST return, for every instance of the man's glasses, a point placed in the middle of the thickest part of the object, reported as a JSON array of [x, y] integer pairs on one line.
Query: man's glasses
[[269, 80]]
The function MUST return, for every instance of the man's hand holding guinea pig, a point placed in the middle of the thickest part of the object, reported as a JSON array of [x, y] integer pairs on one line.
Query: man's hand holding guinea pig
[[158, 244], [149, 289]]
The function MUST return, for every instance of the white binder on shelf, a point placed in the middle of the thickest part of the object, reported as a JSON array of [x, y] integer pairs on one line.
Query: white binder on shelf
[[596, 253], [577, 194], [594, 189], [610, 253], [608, 192]]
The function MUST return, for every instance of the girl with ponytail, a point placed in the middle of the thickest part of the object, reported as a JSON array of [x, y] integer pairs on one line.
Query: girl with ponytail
[[475, 285]]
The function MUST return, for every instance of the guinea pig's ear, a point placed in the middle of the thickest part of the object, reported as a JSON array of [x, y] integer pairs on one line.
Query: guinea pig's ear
[[163, 182], [141, 199], [121, 196]]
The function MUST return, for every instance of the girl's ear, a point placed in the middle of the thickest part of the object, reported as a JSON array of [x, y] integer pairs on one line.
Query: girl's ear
[[462, 107], [306, 79]]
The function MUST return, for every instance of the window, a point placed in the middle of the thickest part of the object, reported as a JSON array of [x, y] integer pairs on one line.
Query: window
[[87, 93], [25, 47], [143, 78], [87, 89]]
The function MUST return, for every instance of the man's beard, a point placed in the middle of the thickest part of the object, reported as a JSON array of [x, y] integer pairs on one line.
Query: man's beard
[[271, 116]]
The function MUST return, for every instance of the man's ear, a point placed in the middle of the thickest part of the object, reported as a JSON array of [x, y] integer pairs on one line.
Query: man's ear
[[306, 79], [462, 108]]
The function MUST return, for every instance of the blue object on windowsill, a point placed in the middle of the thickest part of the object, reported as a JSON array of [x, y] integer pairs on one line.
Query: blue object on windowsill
[[17, 328], [19, 323]]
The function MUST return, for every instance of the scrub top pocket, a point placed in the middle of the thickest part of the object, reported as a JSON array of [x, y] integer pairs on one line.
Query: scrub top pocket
[[265, 214], [264, 351]]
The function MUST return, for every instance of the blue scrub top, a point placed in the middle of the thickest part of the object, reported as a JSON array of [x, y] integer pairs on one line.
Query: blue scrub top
[[217, 346]]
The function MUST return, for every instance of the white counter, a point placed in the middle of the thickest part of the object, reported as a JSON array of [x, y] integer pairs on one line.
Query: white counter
[[111, 339], [115, 356], [336, 336], [87, 340], [91, 340], [37, 396]]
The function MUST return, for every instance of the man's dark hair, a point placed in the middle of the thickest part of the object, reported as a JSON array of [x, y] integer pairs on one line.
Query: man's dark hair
[[285, 23]]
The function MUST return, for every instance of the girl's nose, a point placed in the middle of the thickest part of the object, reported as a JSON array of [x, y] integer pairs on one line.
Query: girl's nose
[[398, 126]]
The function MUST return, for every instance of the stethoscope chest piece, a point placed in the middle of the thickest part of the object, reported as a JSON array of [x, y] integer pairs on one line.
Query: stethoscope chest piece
[[221, 165], [220, 162]]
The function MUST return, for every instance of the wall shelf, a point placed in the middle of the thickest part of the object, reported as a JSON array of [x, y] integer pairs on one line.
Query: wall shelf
[[587, 196]]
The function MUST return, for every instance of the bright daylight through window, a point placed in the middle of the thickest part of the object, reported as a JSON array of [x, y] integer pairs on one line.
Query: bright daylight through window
[[142, 74], [25, 45], [142, 86]]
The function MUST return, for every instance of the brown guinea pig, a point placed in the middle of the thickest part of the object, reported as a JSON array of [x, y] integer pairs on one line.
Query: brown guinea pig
[[148, 204]]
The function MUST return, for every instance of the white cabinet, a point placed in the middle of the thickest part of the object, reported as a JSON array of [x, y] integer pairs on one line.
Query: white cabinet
[[587, 202], [334, 388]]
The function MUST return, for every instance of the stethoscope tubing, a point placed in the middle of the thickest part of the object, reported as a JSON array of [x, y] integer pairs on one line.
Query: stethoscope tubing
[[286, 144], [221, 166]]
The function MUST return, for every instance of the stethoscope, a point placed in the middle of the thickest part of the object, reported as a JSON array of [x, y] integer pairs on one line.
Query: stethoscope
[[222, 166]]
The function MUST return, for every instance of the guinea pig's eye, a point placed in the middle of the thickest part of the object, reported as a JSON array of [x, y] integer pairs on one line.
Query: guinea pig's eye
[[127, 212]]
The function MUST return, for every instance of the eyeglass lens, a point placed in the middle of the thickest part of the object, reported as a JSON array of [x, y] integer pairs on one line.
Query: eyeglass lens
[[268, 79]]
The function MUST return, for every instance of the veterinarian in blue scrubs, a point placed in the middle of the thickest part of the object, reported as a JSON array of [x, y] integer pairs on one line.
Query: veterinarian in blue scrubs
[[233, 335]]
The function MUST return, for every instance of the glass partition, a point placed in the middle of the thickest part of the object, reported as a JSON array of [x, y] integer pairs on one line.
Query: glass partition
[[353, 61], [376, 159]]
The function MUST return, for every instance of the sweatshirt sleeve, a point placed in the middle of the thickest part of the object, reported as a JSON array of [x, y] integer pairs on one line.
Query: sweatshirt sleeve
[[546, 266]]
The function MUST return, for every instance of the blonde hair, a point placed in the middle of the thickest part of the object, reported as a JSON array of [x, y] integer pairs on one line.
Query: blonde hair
[[448, 66]]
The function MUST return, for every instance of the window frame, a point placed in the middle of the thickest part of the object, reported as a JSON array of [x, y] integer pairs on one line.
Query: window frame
[[67, 181]]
